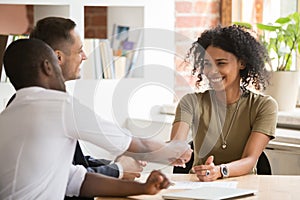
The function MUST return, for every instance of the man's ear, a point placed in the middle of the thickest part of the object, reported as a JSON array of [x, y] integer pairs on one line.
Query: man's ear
[[47, 68], [59, 55]]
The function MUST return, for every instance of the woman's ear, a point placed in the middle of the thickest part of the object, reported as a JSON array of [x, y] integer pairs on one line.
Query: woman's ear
[[242, 65]]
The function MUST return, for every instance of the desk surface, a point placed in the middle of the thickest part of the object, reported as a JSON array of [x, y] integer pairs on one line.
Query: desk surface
[[268, 187]]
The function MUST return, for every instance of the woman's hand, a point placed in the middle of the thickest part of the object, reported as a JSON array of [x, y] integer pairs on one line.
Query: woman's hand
[[207, 172]]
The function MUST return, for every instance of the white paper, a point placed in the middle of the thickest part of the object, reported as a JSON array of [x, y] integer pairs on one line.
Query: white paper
[[192, 185]]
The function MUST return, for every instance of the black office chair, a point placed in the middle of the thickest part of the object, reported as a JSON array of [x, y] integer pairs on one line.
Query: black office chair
[[189, 165], [263, 165]]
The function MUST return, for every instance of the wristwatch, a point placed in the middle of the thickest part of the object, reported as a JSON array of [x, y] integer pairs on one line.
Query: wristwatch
[[224, 171]]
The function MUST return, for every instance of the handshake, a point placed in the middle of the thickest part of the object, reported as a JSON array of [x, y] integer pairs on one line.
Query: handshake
[[175, 153]]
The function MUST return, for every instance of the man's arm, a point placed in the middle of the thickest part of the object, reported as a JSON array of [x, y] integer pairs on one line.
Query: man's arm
[[111, 170], [175, 152], [119, 141], [98, 185], [124, 167], [101, 166], [93, 162]]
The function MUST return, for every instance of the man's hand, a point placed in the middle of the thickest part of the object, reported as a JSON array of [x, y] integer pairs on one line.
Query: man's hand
[[156, 182], [131, 167], [184, 158]]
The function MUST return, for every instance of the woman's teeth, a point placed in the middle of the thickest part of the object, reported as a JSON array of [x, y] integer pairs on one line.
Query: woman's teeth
[[216, 79]]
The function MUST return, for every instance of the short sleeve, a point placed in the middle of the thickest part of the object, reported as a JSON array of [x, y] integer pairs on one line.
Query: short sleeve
[[186, 108], [266, 118], [76, 177]]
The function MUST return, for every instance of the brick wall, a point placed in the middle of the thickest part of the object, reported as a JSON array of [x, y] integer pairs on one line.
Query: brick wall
[[95, 22], [192, 17]]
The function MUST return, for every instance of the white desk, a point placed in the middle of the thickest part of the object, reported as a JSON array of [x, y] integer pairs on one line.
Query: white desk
[[285, 148], [268, 187]]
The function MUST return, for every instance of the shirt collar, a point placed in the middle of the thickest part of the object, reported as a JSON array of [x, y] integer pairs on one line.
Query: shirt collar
[[29, 90]]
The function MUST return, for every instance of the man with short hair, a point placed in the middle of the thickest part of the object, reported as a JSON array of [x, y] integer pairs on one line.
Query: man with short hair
[[60, 33], [40, 127]]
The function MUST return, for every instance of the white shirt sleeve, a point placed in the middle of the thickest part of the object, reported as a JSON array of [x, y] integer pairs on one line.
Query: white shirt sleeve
[[83, 123], [76, 177], [120, 168]]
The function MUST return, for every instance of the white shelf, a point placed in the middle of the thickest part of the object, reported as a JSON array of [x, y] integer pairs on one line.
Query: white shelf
[[6, 91], [159, 48], [156, 87]]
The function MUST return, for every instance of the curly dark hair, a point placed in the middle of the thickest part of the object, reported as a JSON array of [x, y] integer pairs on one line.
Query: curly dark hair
[[238, 41]]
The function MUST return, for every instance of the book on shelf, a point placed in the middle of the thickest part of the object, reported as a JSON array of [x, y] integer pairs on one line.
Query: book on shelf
[[107, 59], [119, 36], [134, 52], [120, 65], [115, 57], [110, 66], [99, 64], [5, 41], [126, 43], [97, 60]]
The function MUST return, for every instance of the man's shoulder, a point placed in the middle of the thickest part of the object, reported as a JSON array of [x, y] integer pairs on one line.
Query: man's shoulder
[[35, 94], [52, 95]]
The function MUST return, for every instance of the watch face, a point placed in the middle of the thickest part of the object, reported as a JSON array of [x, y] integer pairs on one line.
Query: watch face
[[224, 171]]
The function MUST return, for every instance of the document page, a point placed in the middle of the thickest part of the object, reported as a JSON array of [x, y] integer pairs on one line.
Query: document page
[[192, 185]]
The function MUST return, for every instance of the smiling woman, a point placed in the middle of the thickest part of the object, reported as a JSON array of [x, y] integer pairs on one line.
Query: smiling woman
[[231, 59]]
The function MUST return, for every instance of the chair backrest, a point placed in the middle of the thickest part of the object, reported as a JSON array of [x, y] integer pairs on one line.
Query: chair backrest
[[263, 165], [189, 165]]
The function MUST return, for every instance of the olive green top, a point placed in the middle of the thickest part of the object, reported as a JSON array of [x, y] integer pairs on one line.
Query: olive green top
[[252, 112]]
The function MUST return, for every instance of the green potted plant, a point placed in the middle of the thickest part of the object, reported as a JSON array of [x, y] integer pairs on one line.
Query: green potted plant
[[282, 40]]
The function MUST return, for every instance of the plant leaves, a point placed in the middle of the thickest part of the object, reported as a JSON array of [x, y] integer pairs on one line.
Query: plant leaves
[[244, 24], [283, 20], [282, 39], [266, 27]]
